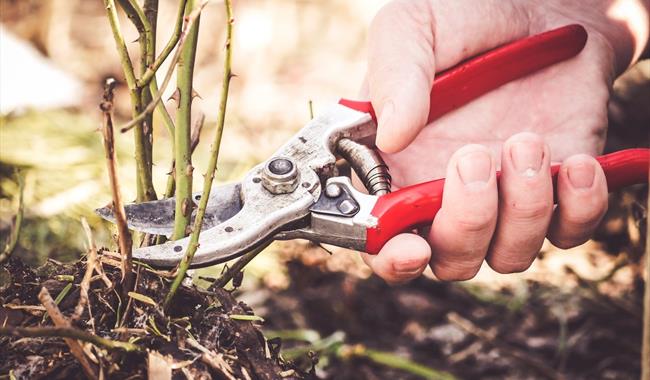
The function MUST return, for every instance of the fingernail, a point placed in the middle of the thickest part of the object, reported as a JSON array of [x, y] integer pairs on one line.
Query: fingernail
[[386, 113], [527, 157], [475, 167], [581, 175]]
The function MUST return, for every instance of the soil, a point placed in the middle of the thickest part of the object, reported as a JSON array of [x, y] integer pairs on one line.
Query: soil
[[582, 334], [208, 317], [579, 332]]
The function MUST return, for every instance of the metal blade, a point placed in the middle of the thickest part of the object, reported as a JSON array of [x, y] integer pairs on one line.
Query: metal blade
[[157, 217]]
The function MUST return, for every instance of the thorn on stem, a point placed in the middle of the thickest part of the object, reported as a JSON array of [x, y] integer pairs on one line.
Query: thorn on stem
[[176, 96]]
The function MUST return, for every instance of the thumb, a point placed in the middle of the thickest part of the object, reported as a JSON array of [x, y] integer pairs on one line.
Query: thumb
[[401, 61], [401, 68]]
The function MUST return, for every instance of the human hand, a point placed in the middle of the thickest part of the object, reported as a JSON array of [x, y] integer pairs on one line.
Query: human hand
[[563, 111]]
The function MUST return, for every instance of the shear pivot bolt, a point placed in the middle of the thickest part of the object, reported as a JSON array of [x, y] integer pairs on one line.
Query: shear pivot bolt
[[280, 166], [332, 190], [280, 176]]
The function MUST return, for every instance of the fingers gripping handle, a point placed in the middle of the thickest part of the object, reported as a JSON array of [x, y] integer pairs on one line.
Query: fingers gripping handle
[[461, 84], [417, 205]]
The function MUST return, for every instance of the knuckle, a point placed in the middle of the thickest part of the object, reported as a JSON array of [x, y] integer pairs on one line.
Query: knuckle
[[450, 272], [565, 242], [527, 211], [506, 266], [415, 11], [474, 222], [584, 217]]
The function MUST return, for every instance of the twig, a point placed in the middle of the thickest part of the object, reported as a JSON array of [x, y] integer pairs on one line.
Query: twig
[[616, 303], [236, 268], [60, 321], [59, 297], [18, 221], [311, 109], [91, 260], [505, 348], [68, 332], [189, 23], [100, 271], [645, 350], [124, 236], [215, 361], [212, 164]]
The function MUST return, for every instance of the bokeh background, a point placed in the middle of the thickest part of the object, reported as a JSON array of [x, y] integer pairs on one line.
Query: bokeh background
[[54, 57]]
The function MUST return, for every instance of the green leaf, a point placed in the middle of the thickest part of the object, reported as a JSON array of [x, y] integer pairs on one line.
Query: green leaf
[[142, 298], [244, 317]]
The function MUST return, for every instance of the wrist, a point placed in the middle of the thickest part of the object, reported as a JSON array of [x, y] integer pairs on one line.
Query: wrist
[[627, 30]]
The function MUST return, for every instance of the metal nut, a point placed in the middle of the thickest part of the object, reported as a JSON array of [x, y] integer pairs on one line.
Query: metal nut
[[333, 190], [280, 176]]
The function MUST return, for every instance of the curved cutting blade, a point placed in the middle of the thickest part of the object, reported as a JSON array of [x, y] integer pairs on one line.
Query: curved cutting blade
[[157, 217], [262, 215]]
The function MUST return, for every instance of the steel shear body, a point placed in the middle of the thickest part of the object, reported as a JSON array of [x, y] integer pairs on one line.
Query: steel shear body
[[297, 193]]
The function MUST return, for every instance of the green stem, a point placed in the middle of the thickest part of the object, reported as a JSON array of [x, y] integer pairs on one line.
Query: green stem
[[139, 96], [157, 95], [147, 57], [150, 9], [145, 21], [236, 268], [196, 135], [212, 164], [171, 183], [392, 360], [183, 131], [169, 47], [68, 332], [143, 170], [127, 65], [160, 107], [15, 230]]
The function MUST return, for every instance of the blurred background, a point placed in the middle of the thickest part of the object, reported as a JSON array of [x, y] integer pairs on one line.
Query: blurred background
[[578, 310]]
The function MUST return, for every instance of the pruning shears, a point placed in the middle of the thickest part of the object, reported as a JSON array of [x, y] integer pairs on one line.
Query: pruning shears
[[297, 193]]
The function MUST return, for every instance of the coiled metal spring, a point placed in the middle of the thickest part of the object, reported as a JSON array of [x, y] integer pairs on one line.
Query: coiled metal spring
[[368, 166]]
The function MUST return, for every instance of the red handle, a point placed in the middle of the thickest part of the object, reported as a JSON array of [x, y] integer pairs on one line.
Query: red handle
[[416, 205], [461, 84]]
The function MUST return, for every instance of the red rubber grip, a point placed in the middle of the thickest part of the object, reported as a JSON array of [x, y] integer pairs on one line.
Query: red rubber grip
[[417, 205], [461, 84]]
